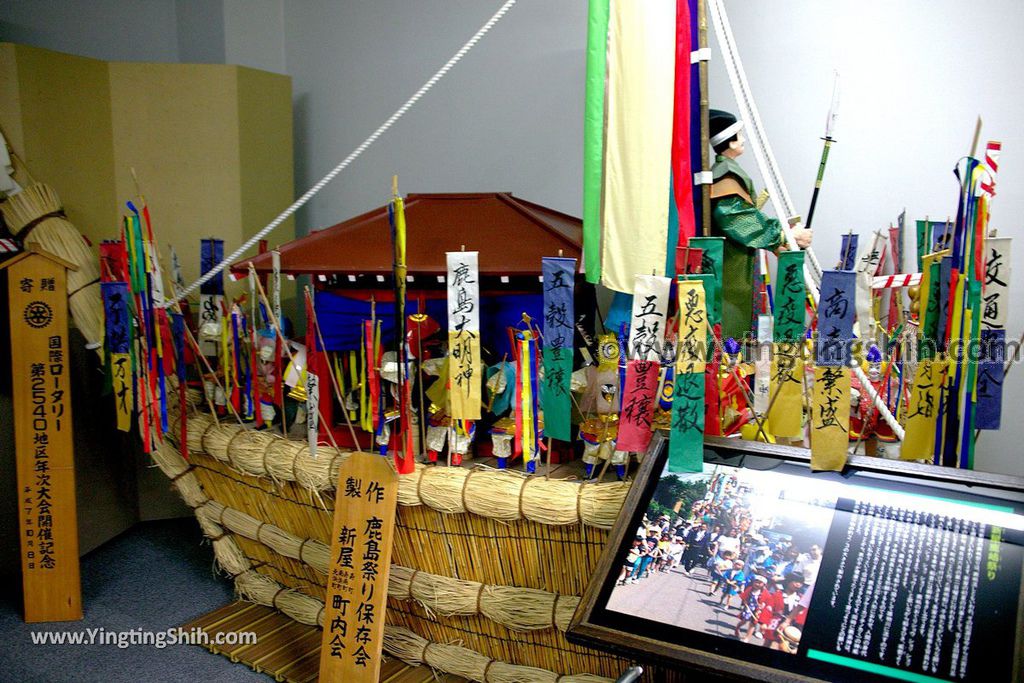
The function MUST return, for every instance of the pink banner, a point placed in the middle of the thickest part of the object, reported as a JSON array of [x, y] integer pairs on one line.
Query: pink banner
[[638, 398]]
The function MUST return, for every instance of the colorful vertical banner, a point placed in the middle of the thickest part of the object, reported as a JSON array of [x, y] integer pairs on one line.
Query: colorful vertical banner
[[527, 439], [835, 318], [650, 311], [924, 242], [178, 341], [118, 330], [922, 411], [989, 388], [686, 442], [787, 364], [593, 136], [312, 411], [682, 173], [559, 316], [995, 296], [830, 418], [211, 294], [790, 294], [763, 365], [465, 368], [848, 251], [644, 350], [711, 260], [638, 141], [867, 267], [830, 407]]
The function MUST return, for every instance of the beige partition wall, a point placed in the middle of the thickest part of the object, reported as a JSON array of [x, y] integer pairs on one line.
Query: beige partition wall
[[211, 146]]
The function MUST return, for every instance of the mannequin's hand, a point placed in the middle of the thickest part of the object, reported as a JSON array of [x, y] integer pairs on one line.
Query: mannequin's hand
[[803, 237]]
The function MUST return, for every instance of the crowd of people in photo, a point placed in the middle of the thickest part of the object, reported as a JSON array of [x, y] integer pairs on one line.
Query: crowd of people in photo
[[762, 575]]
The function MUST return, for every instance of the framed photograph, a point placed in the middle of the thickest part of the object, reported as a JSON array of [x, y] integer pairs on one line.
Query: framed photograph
[[758, 569]]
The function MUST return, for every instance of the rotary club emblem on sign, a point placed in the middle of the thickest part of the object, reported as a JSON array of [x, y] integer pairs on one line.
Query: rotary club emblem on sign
[[38, 314]]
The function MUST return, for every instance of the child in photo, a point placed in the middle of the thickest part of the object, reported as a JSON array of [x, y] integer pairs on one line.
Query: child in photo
[[752, 601], [733, 581], [632, 557], [721, 564]]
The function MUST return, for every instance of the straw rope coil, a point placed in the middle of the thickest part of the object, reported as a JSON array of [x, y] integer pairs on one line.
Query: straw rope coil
[[402, 643], [36, 215], [496, 602], [521, 609], [498, 494]]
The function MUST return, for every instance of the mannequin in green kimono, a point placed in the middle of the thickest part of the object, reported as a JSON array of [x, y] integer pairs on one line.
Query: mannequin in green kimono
[[736, 216]]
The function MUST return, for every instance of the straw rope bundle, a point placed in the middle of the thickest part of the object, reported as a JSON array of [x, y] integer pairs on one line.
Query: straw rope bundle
[[521, 609], [217, 521], [498, 494], [401, 642], [36, 215]]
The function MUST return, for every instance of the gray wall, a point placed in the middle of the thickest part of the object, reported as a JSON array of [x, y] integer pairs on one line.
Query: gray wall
[[509, 117]]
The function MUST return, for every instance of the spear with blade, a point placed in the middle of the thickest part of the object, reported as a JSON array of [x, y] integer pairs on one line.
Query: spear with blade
[[830, 123]]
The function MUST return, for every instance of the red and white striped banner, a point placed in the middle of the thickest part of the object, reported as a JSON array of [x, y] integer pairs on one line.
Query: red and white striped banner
[[894, 281], [8, 246]]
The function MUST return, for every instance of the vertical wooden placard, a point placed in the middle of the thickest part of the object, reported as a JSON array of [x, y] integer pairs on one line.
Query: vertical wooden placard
[[48, 524], [357, 580]]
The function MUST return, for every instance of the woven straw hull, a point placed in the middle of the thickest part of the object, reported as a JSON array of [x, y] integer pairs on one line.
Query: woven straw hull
[[522, 553]]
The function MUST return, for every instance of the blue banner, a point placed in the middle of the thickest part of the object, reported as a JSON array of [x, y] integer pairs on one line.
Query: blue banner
[[991, 363], [836, 310], [848, 252], [116, 316], [211, 253]]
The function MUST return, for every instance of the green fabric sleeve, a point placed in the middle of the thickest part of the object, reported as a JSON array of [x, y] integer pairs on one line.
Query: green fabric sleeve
[[743, 223]]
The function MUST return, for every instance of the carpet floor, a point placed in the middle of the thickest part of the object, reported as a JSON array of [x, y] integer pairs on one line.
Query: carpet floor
[[154, 577]]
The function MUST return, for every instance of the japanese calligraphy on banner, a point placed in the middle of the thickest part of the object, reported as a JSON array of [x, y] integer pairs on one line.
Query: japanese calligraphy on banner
[[830, 418], [686, 439], [787, 373], [867, 267], [464, 367], [711, 263], [650, 310], [835, 318], [763, 365], [211, 295], [357, 578], [44, 447], [559, 317], [919, 437], [989, 389], [995, 297], [638, 397], [118, 339], [312, 411], [790, 293]]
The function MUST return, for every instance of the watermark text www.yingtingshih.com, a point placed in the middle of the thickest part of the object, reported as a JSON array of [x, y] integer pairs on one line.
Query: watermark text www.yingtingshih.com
[[145, 638]]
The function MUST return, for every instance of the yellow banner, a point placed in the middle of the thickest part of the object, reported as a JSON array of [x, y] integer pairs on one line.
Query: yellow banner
[[464, 381], [785, 416], [830, 421], [692, 344], [121, 376], [919, 440]]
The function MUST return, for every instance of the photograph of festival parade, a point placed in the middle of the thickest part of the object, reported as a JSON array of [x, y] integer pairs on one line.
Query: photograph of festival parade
[[730, 552]]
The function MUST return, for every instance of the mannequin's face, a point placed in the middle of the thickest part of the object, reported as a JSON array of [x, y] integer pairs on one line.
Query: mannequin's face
[[736, 147]]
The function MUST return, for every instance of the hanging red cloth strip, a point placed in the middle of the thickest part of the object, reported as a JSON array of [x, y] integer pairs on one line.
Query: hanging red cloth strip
[[682, 172]]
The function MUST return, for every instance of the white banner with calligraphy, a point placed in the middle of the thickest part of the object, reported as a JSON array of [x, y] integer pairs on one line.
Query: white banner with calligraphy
[[868, 264], [650, 310], [464, 366], [996, 292]]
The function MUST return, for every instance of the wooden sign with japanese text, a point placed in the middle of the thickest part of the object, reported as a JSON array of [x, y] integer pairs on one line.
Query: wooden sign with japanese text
[[44, 452], [357, 579]]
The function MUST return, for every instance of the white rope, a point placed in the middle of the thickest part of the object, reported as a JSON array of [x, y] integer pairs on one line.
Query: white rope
[[778, 193], [311, 192]]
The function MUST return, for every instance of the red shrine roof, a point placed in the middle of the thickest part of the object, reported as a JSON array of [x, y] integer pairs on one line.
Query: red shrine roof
[[511, 235]]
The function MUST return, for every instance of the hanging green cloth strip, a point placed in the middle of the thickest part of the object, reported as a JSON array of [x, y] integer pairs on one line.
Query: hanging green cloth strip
[[593, 136]]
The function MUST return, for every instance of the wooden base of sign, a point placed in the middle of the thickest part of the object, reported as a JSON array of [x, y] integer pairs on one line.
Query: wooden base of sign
[[44, 448]]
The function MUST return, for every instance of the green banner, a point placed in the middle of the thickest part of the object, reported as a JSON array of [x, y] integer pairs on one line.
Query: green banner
[[686, 438], [711, 297], [713, 249], [554, 393], [924, 241], [593, 136], [790, 293]]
